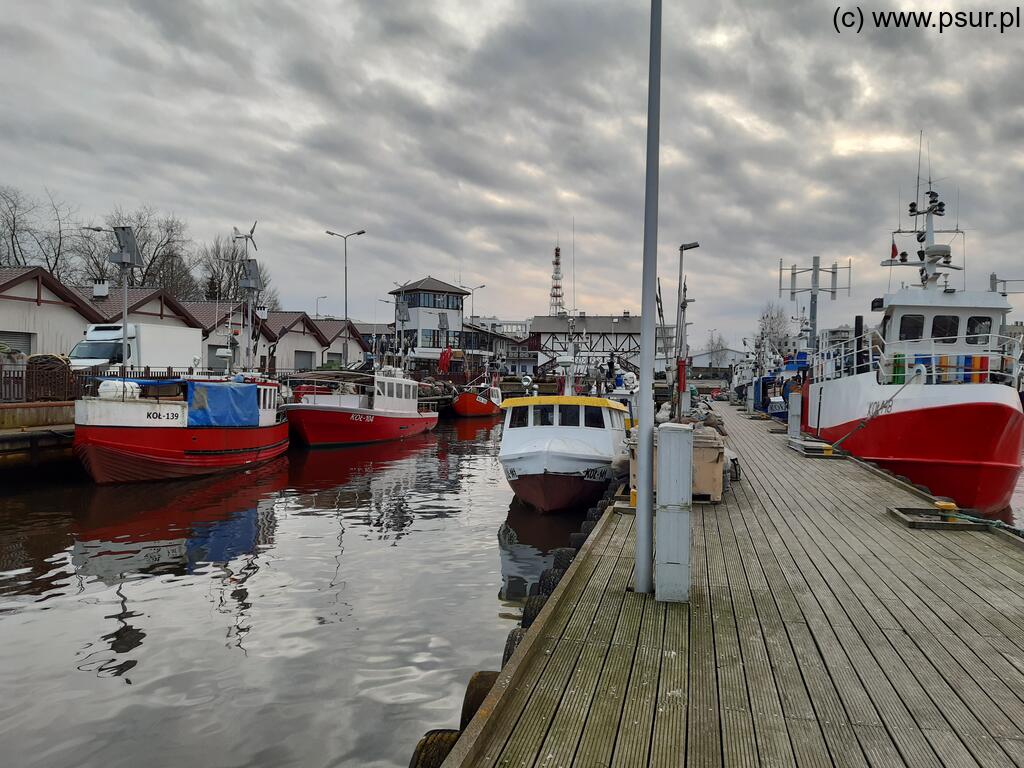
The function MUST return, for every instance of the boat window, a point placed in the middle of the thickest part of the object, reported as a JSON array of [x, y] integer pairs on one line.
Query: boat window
[[380, 388], [543, 415], [390, 389], [978, 329], [593, 416], [945, 328], [568, 415], [911, 327], [520, 416]]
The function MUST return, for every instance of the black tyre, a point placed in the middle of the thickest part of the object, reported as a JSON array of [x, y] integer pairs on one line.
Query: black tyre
[[588, 526], [563, 558], [603, 504], [531, 608], [549, 579], [433, 748], [515, 637], [595, 513], [576, 540], [480, 684]]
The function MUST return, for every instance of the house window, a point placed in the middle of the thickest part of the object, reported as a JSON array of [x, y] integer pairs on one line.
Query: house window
[[454, 302], [543, 415], [945, 328], [593, 416], [568, 415], [978, 329], [519, 417], [911, 327]]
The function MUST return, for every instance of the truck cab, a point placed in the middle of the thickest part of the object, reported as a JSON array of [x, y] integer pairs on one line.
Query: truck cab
[[101, 347]]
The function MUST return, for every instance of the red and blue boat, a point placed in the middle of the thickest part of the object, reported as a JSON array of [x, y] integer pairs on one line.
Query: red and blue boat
[[136, 430]]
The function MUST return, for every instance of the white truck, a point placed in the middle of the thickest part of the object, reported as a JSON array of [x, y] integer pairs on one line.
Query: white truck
[[155, 346]]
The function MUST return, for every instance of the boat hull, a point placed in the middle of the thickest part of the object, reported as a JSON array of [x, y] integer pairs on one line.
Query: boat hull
[[960, 441], [472, 404], [112, 454], [553, 492], [320, 426], [970, 452]]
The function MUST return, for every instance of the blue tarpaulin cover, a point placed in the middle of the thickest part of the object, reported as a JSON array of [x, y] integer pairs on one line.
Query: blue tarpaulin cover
[[222, 404]]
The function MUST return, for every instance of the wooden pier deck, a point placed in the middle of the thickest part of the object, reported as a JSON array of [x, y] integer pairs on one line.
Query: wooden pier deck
[[820, 632]]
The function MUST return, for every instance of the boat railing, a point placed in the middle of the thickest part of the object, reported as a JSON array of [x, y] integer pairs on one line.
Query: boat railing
[[978, 359]]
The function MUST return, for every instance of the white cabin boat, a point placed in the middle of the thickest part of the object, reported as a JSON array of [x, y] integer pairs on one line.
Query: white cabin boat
[[557, 451]]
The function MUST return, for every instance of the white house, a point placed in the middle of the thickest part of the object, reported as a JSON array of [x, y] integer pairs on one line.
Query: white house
[[297, 344], [341, 334], [435, 318], [39, 314]]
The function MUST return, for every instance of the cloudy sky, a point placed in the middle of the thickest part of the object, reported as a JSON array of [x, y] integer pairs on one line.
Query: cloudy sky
[[465, 137]]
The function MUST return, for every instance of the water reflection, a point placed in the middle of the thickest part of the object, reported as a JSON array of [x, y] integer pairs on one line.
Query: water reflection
[[338, 597], [525, 541]]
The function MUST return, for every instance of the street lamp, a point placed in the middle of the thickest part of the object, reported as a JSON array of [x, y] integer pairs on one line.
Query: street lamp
[[682, 406], [127, 257], [345, 238], [472, 298], [317, 311]]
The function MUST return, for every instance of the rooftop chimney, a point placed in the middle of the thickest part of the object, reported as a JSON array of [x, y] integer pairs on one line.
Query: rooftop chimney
[[100, 289]]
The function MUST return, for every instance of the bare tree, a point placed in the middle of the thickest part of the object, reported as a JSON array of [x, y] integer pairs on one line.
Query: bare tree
[[53, 236], [716, 348], [164, 246], [17, 221], [221, 265], [774, 324]]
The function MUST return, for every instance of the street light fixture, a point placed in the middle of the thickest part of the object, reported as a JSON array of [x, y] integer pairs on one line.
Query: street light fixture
[[127, 257], [345, 238], [472, 297], [317, 311], [683, 395]]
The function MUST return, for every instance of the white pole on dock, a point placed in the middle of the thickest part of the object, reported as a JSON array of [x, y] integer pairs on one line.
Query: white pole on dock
[[645, 415]]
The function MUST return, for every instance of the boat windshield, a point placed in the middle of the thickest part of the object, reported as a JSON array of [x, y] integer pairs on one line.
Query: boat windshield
[[97, 350]]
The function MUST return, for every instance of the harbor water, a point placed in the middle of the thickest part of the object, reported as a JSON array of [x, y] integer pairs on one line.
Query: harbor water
[[323, 610]]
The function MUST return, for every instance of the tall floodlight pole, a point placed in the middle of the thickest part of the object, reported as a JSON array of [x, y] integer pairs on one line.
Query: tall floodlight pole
[[126, 257], [681, 346], [344, 351], [248, 323], [645, 447], [317, 310]]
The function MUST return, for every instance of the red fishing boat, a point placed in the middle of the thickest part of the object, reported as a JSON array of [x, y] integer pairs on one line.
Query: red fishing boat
[[159, 429], [382, 407], [478, 401], [932, 392]]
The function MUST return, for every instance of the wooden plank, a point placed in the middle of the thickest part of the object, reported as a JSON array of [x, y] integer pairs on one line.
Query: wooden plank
[[668, 743]]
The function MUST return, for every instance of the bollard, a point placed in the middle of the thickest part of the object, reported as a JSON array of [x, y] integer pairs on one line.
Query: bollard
[[750, 399], [672, 521], [794, 415]]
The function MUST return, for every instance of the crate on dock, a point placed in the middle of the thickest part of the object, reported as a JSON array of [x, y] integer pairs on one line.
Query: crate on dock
[[708, 464]]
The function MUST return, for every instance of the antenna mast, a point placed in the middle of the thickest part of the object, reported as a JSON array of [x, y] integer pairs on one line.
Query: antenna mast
[[557, 305]]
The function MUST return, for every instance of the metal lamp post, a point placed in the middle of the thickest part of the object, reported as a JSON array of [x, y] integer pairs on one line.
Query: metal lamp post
[[645, 445], [472, 297], [126, 257], [681, 345], [345, 238]]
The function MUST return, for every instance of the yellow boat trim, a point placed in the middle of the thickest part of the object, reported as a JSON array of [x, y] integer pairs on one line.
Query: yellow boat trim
[[601, 402]]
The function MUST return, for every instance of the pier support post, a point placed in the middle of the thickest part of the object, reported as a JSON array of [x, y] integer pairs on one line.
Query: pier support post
[[795, 404], [675, 496]]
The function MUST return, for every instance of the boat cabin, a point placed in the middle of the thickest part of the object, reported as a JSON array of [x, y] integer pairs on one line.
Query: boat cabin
[[564, 412], [954, 335], [387, 390]]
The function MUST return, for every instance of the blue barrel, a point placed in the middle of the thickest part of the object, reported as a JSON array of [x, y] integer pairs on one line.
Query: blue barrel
[[618, 379]]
